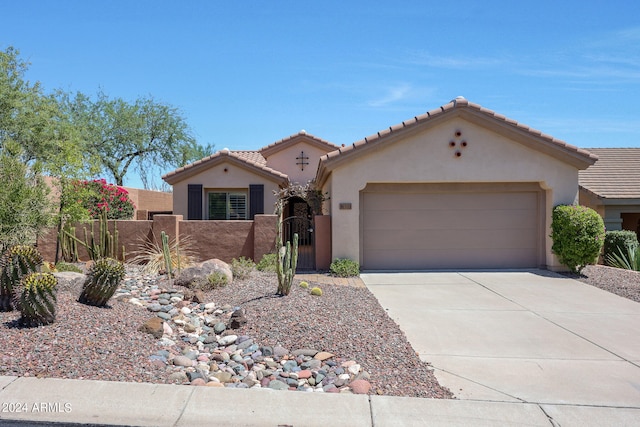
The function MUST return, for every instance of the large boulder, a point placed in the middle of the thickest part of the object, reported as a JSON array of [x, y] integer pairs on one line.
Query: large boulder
[[69, 281], [196, 275]]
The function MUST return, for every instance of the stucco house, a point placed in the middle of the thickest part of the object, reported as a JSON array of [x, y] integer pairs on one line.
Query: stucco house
[[612, 187], [460, 186], [237, 185]]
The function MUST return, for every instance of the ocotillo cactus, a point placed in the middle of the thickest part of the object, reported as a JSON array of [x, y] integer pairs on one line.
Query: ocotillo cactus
[[15, 263], [36, 299], [102, 281]]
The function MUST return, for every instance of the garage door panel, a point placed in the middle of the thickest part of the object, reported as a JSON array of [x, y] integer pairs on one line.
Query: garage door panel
[[415, 230], [437, 219], [448, 201], [454, 259], [444, 239]]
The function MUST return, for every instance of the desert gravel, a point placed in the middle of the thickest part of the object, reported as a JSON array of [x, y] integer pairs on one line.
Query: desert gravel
[[625, 283], [105, 344]]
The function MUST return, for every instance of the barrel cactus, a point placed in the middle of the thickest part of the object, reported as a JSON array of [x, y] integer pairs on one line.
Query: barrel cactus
[[17, 262], [102, 281], [36, 299]]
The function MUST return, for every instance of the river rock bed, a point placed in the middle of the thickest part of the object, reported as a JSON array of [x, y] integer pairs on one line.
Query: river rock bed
[[197, 347]]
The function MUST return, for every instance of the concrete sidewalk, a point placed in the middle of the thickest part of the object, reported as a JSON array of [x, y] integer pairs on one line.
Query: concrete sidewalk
[[32, 401]]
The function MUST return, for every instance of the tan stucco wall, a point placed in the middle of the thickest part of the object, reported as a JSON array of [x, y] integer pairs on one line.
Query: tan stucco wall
[[148, 200], [235, 178], [427, 157], [589, 200], [285, 162]]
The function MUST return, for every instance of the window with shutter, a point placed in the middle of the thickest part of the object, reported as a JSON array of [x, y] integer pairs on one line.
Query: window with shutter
[[227, 205]]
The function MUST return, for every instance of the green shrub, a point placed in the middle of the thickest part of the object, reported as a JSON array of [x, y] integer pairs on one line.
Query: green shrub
[[578, 235], [217, 279], [268, 263], [242, 267], [617, 241], [64, 266], [343, 267], [316, 291]]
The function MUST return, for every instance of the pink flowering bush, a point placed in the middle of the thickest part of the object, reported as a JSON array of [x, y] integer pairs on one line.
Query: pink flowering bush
[[98, 195]]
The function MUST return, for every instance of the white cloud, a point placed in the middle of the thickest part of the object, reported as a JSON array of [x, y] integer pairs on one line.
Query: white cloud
[[392, 95]]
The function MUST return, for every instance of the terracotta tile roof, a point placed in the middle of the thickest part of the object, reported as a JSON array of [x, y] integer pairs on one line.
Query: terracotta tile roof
[[251, 156], [546, 143], [292, 139], [616, 174], [251, 159]]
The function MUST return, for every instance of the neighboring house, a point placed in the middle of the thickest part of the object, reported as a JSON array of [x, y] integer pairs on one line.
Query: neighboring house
[[612, 187], [458, 187]]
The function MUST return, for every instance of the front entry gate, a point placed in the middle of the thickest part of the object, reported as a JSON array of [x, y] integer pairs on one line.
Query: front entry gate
[[299, 222]]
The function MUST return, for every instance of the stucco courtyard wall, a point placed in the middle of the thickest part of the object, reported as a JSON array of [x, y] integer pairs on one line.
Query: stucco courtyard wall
[[224, 240]]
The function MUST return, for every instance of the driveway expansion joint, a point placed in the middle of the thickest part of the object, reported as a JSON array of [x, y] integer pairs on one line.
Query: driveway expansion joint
[[549, 417], [481, 385], [184, 407]]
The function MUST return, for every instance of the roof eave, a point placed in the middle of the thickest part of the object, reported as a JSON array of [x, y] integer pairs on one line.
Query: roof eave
[[579, 158], [293, 139], [221, 157]]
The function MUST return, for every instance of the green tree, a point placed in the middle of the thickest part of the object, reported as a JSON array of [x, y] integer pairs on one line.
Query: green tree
[[25, 206], [34, 121], [144, 135], [37, 138]]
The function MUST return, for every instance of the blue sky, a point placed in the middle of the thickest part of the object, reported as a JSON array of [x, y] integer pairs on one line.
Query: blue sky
[[246, 74]]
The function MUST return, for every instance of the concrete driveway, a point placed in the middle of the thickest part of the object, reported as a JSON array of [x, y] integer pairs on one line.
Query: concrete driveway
[[519, 336]]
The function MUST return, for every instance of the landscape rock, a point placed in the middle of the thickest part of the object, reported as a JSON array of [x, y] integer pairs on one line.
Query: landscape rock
[[191, 277], [70, 281], [178, 377], [323, 355], [198, 296], [237, 319], [153, 326], [182, 361], [360, 386]]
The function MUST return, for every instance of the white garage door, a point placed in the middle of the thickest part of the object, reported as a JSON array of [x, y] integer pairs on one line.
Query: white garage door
[[483, 229]]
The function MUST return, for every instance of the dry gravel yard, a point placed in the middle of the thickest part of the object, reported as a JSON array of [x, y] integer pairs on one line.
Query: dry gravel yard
[[105, 344], [624, 283]]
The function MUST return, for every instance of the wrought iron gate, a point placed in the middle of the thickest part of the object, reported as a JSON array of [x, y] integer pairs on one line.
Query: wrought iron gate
[[306, 247]]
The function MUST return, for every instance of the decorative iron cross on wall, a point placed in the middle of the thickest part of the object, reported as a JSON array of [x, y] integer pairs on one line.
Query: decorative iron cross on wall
[[302, 160]]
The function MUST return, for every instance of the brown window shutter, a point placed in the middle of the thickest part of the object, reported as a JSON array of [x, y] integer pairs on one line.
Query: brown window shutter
[[256, 200], [194, 201]]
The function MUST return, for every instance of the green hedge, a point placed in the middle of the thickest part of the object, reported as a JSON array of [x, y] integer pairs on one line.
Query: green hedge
[[617, 241], [343, 267]]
